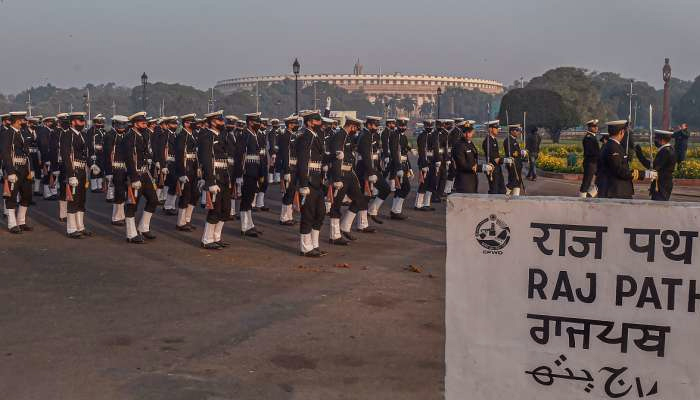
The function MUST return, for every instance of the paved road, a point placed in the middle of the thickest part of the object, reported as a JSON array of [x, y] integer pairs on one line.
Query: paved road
[[101, 319]]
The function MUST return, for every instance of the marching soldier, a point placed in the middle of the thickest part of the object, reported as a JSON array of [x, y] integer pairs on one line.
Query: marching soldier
[[400, 170], [163, 155], [443, 128], [453, 136], [615, 164], [232, 133], [514, 160], [286, 166], [310, 156], [344, 182], [490, 148], [466, 159], [44, 133], [152, 136], [591, 152], [261, 135], [661, 169], [140, 183], [368, 169], [58, 173], [95, 140], [31, 138], [272, 149], [74, 156], [4, 125], [425, 154], [385, 154], [249, 174], [185, 169], [600, 180], [114, 162], [213, 158], [18, 174]]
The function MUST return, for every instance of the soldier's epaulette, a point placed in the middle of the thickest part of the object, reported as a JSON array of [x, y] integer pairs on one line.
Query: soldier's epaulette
[[635, 174]]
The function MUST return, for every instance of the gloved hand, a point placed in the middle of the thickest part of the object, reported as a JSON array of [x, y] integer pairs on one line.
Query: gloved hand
[[414, 152], [287, 177], [56, 173], [200, 185], [372, 178], [324, 168], [338, 185], [487, 168], [150, 161], [262, 152], [164, 171], [230, 161], [523, 153], [73, 181], [399, 173], [304, 191], [214, 189], [48, 165], [93, 158], [95, 169], [448, 162], [136, 185], [386, 160], [12, 178], [109, 177], [438, 164], [339, 155], [239, 181], [508, 161], [183, 179], [425, 169], [651, 174]]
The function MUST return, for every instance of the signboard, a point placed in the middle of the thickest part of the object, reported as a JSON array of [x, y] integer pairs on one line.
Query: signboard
[[563, 298]]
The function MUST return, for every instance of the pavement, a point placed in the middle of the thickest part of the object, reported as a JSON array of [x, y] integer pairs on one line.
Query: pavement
[[102, 319]]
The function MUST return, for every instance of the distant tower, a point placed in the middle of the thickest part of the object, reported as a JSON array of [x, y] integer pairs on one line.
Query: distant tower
[[144, 84], [357, 69], [667, 94]]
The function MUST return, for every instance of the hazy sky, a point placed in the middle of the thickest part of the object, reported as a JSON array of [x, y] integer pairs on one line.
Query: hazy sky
[[197, 42]]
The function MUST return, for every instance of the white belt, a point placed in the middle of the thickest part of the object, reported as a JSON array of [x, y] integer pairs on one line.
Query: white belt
[[404, 158], [170, 159], [19, 160], [220, 164], [375, 156], [346, 168], [119, 165], [429, 153], [230, 161], [252, 159], [314, 165], [79, 164], [33, 150], [449, 149], [98, 147], [292, 161], [191, 156], [262, 152], [440, 151]]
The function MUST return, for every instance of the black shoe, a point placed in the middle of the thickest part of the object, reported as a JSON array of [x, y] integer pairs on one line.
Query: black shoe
[[348, 236], [148, 235], [53, 197], [96, 191], [192, 227], [32, 203], [250, 233], [291, 222], [75, 235], [263, 208], [255, 209], [138, 239], [109, 200], [211, 246], [61, 220], [313, 253], [182, 228], [419, 209], [339, 242], [396, 216], [235, 217], [86, 233], [162, 203], [121, 222], [258, 231], [376, 219], [428, 208], [26, 228], [368, 229], [37, 194], [223, 243], [16, 230], [170, 212], [321, 252]]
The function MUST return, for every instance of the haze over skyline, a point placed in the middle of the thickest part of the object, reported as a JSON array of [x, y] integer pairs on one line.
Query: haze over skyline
[[74, 42]]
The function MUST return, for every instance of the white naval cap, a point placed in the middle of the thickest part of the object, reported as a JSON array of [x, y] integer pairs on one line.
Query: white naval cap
[[120, 118]]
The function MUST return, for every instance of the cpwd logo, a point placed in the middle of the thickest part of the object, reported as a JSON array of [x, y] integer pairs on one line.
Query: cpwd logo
[[492, 234]]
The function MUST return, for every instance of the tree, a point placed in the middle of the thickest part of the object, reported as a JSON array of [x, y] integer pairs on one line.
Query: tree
[[545, 109], [408, 105], [426, 109], [689, 106]]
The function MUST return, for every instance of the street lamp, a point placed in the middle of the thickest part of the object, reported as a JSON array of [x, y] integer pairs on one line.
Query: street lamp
[[144, 82], [296, 68], [439, 93]]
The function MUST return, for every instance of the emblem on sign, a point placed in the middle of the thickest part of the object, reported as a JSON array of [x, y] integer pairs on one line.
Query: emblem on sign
[[492, 234]]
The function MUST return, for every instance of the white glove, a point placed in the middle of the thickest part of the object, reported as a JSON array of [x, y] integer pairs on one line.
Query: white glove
[[183, 179], [48, 165], [339, 155], [338, 185], [399, 173], [150, 161], [164, 171], [230, 161], [414, 152], [136, 185], [508, 161], [93, 158], [73, 181], [200, 185], [386, 160], [273, 157], [449, 162], [262, 152], [214, 189], [56, 173], [12, 178], [651, 174], [109, 177], [487, 168], [239, 181], [372, 178], [287, 177], [523, 153], [95, 169], [304, 191], [425, 169], [438, 164]]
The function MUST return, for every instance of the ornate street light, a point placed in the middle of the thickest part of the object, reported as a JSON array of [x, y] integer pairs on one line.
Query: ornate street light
[[296, 67], [144, 82], [439, 93]]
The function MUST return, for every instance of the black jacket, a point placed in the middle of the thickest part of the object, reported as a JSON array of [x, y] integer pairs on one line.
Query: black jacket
[[466, 159], [310, 156], [614, 166], [664, 163]]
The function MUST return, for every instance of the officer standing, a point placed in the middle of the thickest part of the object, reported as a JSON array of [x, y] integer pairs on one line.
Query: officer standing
[[514, 160], [662, 167], [615, 164], [164, 154], [453, 136], [31, 138], [250, 172], [272, 150], [286, 167], [232, 135], [18, 173], [185, 169], [491, 150], [400, 171], [263, 182], [95, 140], [425, 154], [368, 171], [115, 168], [466, 159], [60, 180], [45, 131], [75, 155], [591, 152]]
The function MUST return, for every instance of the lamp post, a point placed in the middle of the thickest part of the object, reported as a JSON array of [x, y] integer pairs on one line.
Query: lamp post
[[296, 67], [144, 82], [439, 93]]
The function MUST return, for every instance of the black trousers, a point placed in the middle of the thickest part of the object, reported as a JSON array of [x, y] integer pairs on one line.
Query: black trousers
[[147, 192], [312, 211], [263, 184], [404, 188], [189, 196], [23, 188], [441, 179], [119, 182], [515, 175], [589, 170], [171, 181], [248, 190], [79, 197], [222, 204], [496, 183], [351, 188], [288, 197]]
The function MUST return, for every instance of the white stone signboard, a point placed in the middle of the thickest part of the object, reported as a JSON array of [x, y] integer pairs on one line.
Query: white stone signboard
[[563, 298]]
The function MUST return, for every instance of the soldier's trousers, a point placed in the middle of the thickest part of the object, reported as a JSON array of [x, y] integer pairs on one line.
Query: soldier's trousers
[[288, 197], [312, 211], [263, 184], [248, 190], [515, 175], [148, 192], [23, 188], [441, 179], [171, 181], [189, 192], [222, 204], [589, 170], [119, 182], [423, 186], [383, 189], [78, 192], [496, 183], [404, 188], [351, 188]]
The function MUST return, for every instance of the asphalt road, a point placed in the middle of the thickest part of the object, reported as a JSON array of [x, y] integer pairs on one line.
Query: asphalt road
[[102, 319]]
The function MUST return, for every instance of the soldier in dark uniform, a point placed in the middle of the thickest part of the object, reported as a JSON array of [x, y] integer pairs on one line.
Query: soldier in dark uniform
[[213, 158], [185, 170], [490, 148], [286, 167], [136, 153], [152, 135], [453, 136], [272, 149], [95, 140], [400, 171], [250, 173], [600, 180], [425, 153], [57, 164], [31, 138], [115, 168], [232, 135], [466, 159], [661, 169], [514, 160], [310, 158], [345, 182], [18, 173], [615, 165], [389, 129], [444, 127], [75, 154], [44, 133], [4, 125], [591, 152], [368, 172], [263, 183], [164, 154]]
